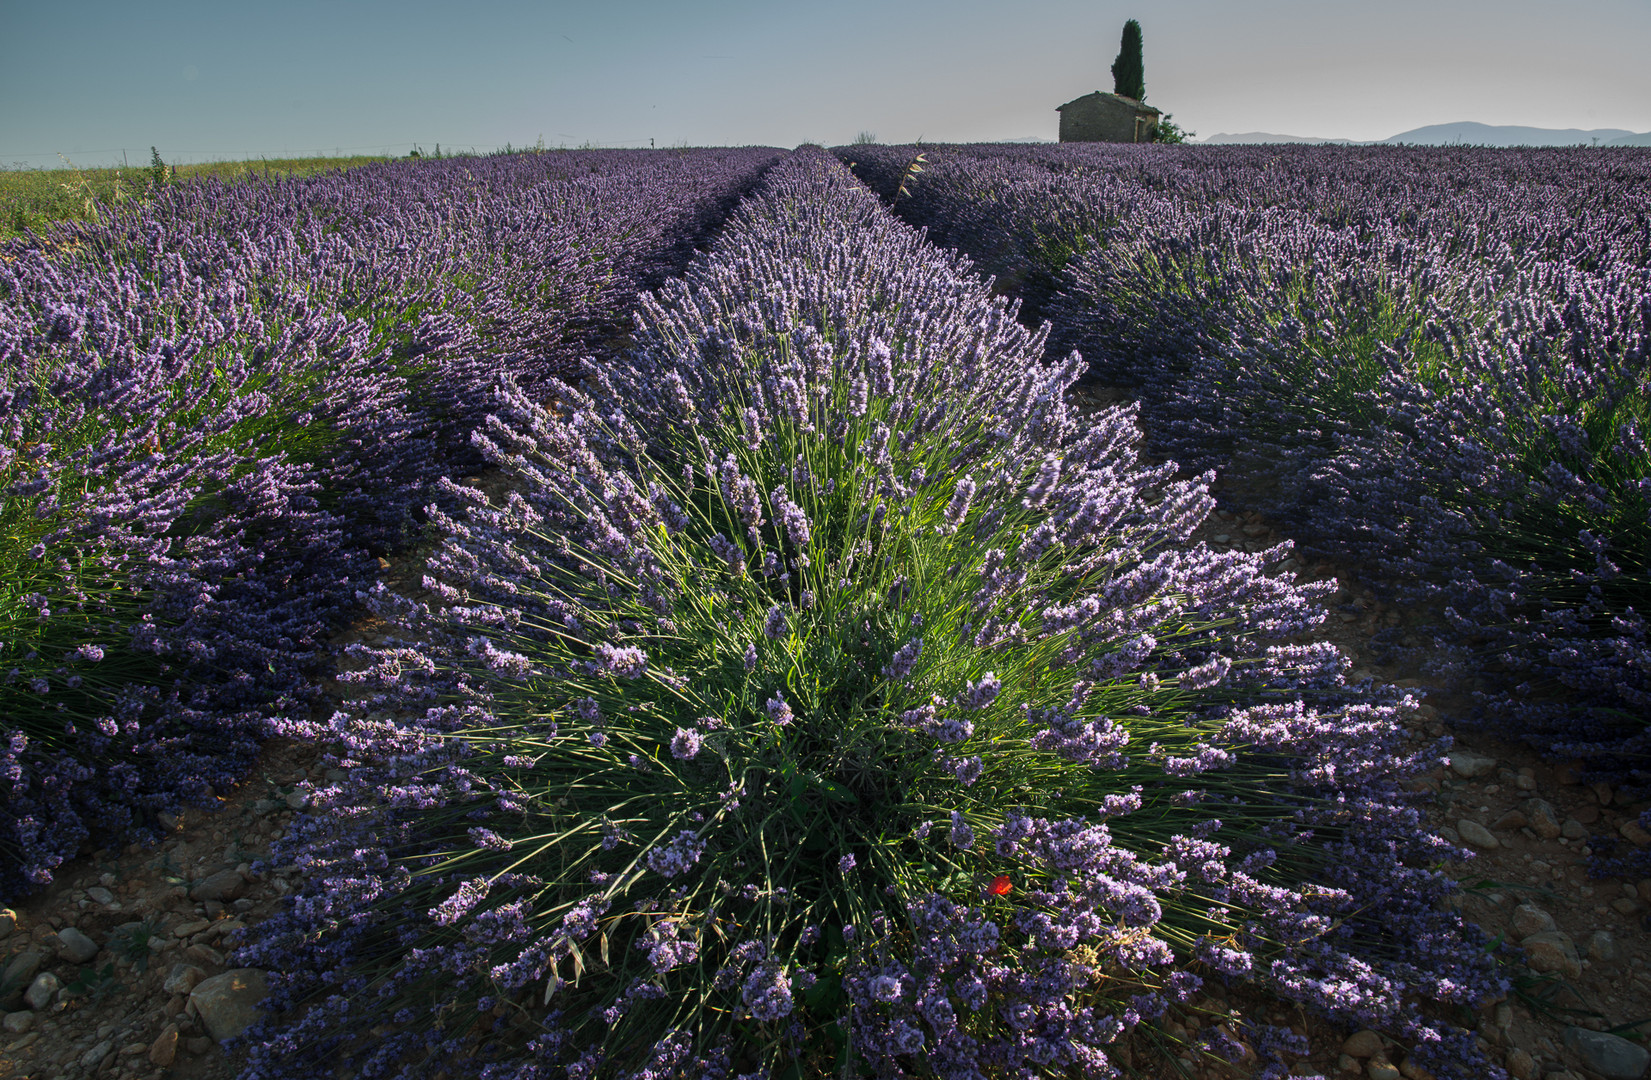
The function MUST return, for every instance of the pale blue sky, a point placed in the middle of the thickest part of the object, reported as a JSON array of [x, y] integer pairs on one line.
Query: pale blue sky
[[226, 79]]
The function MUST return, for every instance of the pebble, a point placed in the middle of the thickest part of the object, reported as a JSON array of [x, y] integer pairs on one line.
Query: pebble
[[1634, 833], [1552, 950], [101, 895], [1544, 821], [1522, 1065], [1612, 1056], [16, 1023], [1573, 829], [182, 978], [165, 1046], [1624, 906], [96, 1054], [41, 991], [298, 800], [1412, 1071], [228, 1003], [1362, 1044], [8, 922], [22, 967], [204, 954], [1529, 919], [200, 1044], [1511, 820], [1379, 1069], [1467, 764], [224, 885], [1476, 835], [190, 928], [75, 946], [1602, 947]]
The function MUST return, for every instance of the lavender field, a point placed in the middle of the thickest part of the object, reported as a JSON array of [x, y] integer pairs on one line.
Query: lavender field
[[1433, 361], [799, 683]]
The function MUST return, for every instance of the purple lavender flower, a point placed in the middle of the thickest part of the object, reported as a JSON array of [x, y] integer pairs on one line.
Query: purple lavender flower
[[907, 1037], [885, 988], [900, 666], [1207, 674], [779, 711], [767, 993], [674, 858], [488, 840], [626, 662], [468, 895], [967, 770], [1049, 473], [793, 518], [958, 508], [685, 744], [979, 695]]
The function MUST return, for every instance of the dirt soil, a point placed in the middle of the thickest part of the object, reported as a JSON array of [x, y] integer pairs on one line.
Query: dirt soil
[[165, 918]]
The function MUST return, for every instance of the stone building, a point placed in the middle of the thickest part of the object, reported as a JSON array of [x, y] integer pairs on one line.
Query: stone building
[[1102, 117]]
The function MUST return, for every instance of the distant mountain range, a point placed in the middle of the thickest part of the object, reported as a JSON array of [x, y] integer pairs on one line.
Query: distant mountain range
[[1268, 137], [1465, 133]]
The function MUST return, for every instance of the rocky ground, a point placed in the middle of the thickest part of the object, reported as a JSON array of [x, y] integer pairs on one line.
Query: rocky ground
[[120, 969]]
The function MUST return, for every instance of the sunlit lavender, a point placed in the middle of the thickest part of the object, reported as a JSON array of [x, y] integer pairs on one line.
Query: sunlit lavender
[[1431, 362], [219, 404], [818, 688]]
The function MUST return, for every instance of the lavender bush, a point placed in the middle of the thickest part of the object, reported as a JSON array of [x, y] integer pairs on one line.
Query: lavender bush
[[820, 695], [169, 573], [218, 404], [1433, 361]]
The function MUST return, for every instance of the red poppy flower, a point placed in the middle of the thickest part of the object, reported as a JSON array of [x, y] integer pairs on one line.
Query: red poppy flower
[[1001, 885]]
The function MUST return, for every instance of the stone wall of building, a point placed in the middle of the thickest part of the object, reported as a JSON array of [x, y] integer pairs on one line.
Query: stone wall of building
[[1100, 117]]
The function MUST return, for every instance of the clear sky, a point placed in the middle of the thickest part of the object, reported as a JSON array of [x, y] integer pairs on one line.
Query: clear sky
[[228, 79]]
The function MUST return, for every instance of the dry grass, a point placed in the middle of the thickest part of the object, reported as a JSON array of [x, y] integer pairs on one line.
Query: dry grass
[[31, 199]]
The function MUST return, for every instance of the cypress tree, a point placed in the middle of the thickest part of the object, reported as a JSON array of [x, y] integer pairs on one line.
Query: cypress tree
[[1129, 71]]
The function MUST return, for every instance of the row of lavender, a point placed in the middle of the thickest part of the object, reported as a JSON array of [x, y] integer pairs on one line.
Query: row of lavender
[[821, 696], [216, 407], [1434, 361]]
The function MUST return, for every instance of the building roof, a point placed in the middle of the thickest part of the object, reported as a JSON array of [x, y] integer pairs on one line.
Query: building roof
[[1119, 98]]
